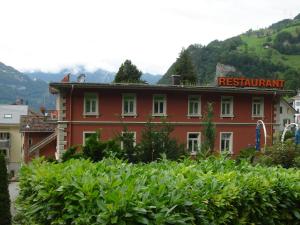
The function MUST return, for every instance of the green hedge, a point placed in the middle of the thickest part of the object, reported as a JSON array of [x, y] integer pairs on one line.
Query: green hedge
[[213, 191]]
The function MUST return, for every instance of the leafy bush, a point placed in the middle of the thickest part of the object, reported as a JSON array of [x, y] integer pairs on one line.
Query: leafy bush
[[247, 154], [283, 154], [215, 191]]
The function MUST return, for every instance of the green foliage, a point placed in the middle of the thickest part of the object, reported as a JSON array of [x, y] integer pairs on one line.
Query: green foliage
[[247, 154], [128, 73], [282, 154], [94, 148], [5, 216], [156, 141], [130, 151], [213, 191], [185, 68], [71, 153], [209, 130]]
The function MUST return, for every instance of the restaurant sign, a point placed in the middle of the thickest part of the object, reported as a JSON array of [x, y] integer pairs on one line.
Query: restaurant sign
[[248, 82]]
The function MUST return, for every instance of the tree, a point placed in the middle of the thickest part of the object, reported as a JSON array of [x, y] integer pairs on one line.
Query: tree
[[185, 68], [209, 130], [5, 216], [128, 73]]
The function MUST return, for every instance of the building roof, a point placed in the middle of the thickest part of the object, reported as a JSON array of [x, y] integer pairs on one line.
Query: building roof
[[55, 87], [288, 105], [10, 114], [35, 122]]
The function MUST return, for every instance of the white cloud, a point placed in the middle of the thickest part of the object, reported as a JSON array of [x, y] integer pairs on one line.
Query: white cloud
[[52, 34]]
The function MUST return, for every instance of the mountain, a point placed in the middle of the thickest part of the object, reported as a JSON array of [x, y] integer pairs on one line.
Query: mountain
[[272, 52], [98, 76], [16, 85]]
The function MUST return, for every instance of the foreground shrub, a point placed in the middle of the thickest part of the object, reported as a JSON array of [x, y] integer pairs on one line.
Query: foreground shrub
[[215, 191], [5, 216]]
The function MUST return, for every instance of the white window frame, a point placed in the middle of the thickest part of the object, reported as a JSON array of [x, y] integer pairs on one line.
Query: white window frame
[[262, 106], [83, 135], [134, 105], [198, 139], [230, 114], [134, 136], [190, 114], [164, 113], [86, 97], [230, 144]]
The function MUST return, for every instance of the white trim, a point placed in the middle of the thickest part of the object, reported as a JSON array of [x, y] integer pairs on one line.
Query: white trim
[[134, 105], [231, 141], [97, 104], [165, 105], [199, 140], [84, 133], [262, 104], [134, 136], [231, 114], [199, 106]]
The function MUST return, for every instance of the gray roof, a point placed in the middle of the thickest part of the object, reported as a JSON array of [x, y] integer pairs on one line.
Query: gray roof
[[10, 114]]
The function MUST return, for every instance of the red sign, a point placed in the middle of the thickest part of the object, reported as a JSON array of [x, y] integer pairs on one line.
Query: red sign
[[246, 82]]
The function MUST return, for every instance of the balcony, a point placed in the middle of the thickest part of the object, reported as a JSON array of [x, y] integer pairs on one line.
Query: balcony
[[4, 144]]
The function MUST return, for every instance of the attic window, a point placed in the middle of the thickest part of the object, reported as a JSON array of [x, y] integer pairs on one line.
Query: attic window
[[7, 116]]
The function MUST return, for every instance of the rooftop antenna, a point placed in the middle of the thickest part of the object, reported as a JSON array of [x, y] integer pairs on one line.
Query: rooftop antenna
[[81, 78]]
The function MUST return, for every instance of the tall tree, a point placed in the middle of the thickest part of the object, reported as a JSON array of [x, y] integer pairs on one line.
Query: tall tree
[[5, 216], [185, 68], [128, 73]]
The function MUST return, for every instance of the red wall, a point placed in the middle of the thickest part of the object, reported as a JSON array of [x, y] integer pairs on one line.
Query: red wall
[[110, 109]]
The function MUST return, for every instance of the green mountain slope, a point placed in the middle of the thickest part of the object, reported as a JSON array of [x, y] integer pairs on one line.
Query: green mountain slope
[[16, 85], [273, 52]]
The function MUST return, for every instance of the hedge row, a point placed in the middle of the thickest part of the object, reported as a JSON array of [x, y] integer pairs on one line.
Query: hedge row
[[213, 191]]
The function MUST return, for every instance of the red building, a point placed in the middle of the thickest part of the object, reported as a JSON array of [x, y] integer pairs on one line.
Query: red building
[[39, 135], [84, 108]]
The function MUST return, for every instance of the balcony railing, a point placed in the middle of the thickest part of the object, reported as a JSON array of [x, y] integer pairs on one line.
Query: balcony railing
[[4, 143]]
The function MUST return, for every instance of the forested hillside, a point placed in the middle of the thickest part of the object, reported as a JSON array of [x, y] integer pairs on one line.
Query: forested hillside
[[272, 52]]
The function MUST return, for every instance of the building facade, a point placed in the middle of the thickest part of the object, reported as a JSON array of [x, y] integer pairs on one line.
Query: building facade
[[10, 137], [84, 108]]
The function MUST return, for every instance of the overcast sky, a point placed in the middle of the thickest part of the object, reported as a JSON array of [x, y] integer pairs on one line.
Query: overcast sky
[[49, 35]]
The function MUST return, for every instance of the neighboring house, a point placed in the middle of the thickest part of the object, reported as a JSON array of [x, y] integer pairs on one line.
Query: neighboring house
[[285, 115], [296, 105], [84, 108], [39, 134], [10, 137]]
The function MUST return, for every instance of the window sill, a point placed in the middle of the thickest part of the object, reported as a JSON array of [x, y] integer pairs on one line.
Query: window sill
[[129, 115], [227, 116], [258, 116], [194, 116], [91, 115], [159, 115]]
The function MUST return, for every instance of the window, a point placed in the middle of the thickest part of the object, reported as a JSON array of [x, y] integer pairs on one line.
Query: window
[[129, 105], [90, 104], [297, 103], [286, 122], [4, 136], [159, 105], [86, 135], [194, 106], [4, 152], [226, 141], [130, 134], [226, 106], [258, 107], [280, 109], [30, 142], [7, 116], [193, 142]]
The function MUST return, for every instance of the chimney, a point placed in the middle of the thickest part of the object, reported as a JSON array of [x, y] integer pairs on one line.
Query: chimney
[[175, 79]]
